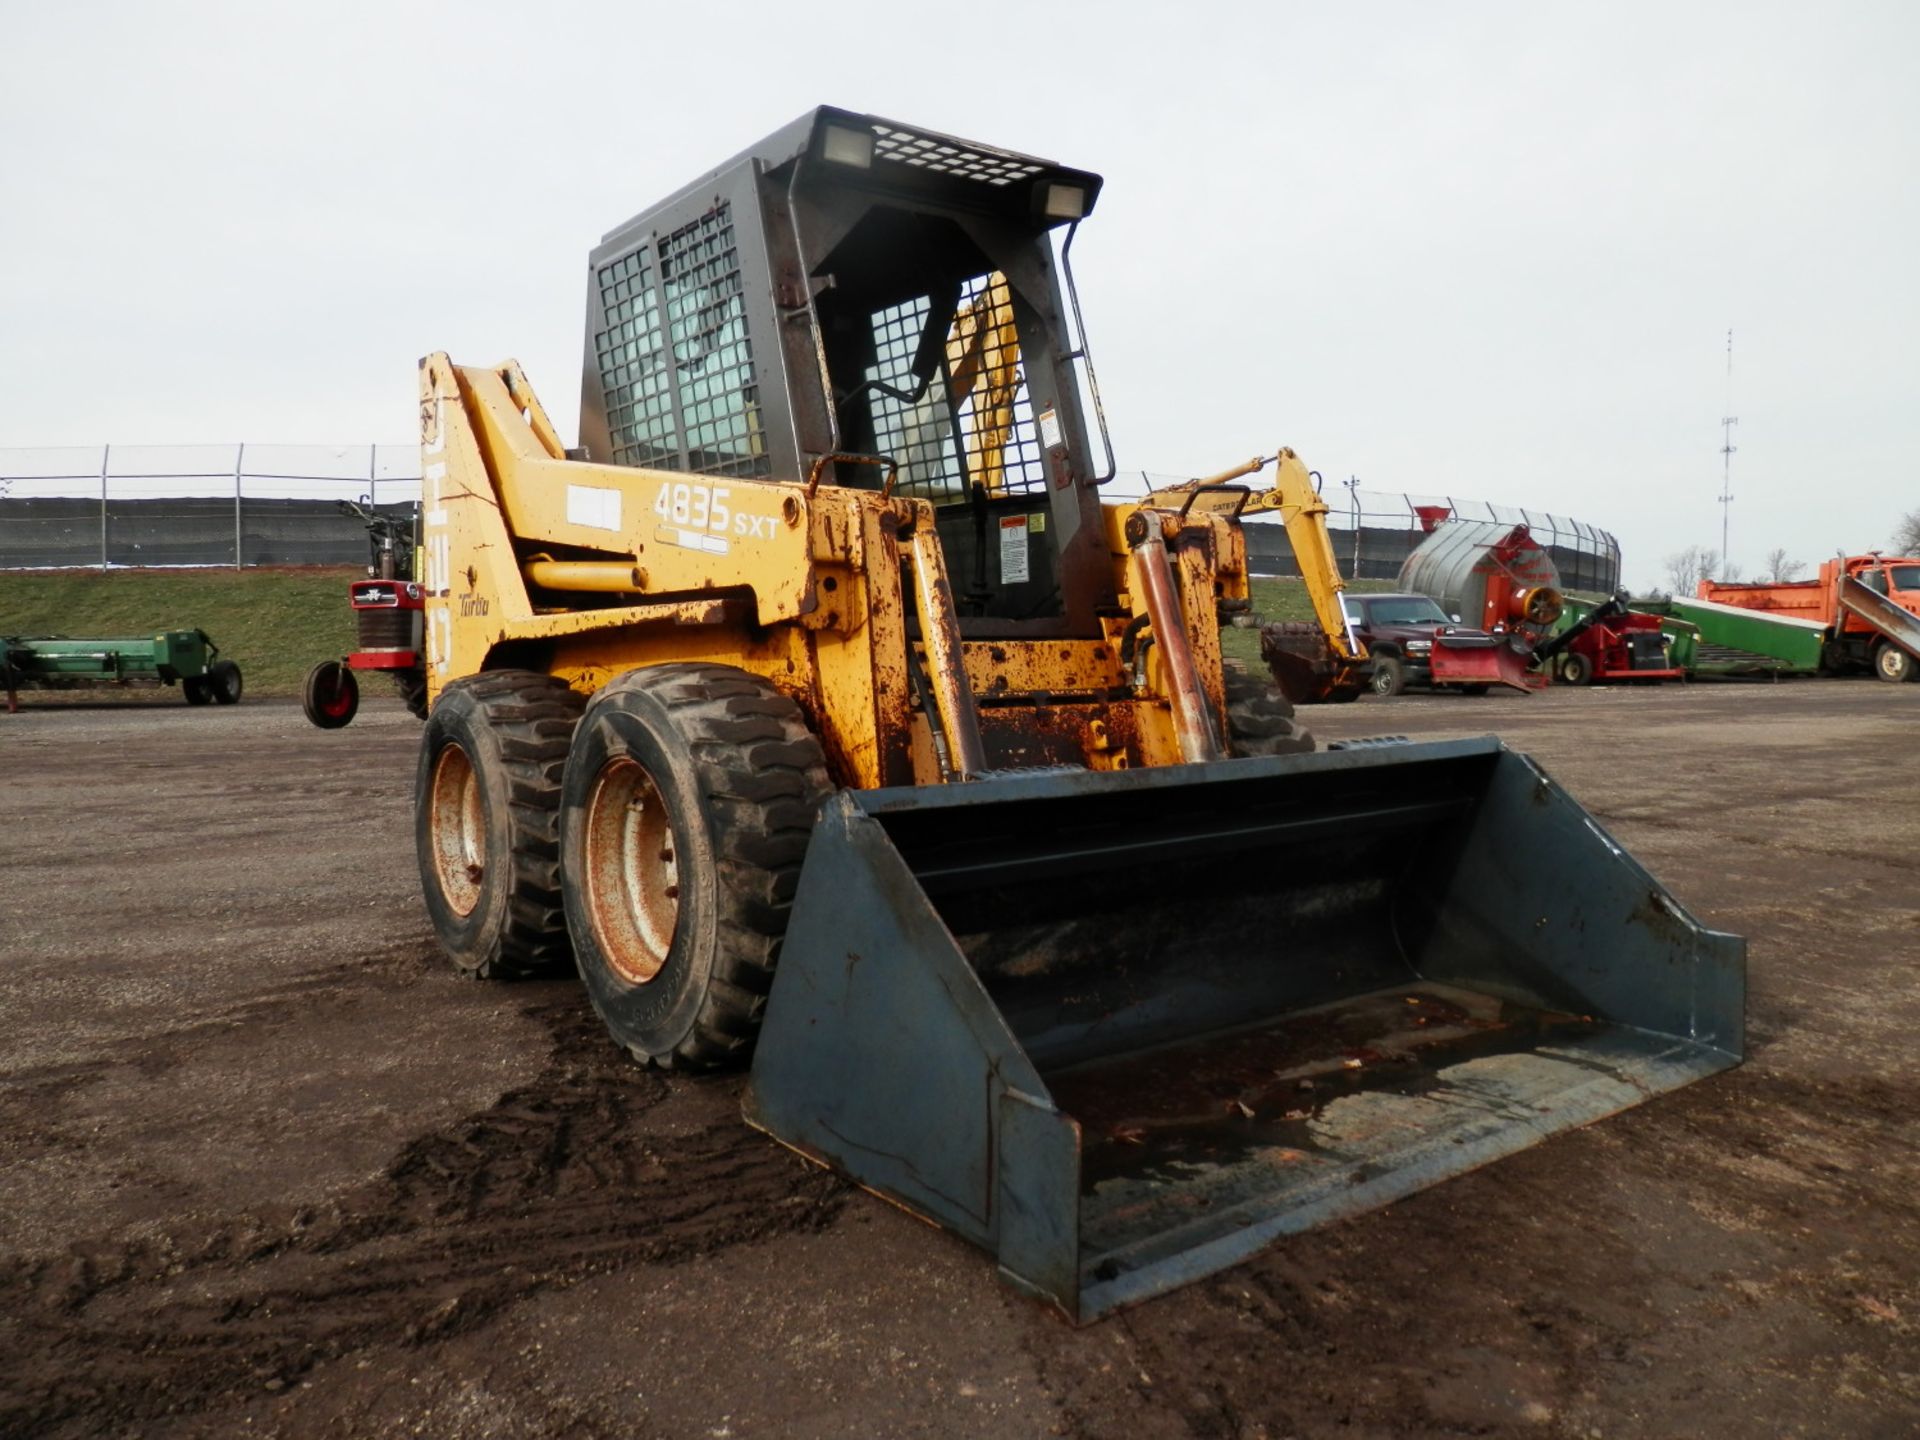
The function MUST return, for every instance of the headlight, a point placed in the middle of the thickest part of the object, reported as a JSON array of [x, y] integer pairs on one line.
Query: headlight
[[1063, 202], [1417, 646], [847, 147]]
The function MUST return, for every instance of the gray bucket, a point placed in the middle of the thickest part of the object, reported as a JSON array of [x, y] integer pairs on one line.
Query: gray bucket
[[1124, 1029]]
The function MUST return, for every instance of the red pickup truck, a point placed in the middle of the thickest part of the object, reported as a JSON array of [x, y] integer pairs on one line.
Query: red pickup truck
[[1399, 630]]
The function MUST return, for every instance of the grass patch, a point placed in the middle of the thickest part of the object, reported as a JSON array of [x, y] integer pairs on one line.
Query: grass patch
[[273, 623], [276, 623]]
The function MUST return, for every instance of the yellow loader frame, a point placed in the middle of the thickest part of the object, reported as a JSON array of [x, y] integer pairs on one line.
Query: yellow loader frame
[[587, 571]]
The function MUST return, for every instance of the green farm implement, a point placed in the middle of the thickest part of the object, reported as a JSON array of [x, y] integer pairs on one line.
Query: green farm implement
[[187, 658]]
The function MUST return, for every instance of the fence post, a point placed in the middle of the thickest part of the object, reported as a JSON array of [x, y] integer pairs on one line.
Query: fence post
[[239, 460], [106, 452], [1353, 494], [373, 477]]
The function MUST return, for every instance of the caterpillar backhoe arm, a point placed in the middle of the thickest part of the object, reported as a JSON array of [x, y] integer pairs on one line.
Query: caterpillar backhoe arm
[[1309, 666]]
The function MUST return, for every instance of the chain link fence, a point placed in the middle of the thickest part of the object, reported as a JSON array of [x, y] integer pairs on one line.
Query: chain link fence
[[230, 505], [251, 504], [1374, 531]]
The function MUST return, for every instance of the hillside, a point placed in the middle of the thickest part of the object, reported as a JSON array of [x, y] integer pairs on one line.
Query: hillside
[[273, 623], [277, 622]]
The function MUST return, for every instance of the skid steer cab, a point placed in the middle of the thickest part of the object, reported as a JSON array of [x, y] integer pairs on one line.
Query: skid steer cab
[[816, 700]]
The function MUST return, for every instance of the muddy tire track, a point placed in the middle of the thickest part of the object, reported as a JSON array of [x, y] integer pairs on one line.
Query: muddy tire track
[[557, 1181], [30, 1096]]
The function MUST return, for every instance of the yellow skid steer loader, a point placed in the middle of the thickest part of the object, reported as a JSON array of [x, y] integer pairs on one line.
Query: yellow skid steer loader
[[816, 703]]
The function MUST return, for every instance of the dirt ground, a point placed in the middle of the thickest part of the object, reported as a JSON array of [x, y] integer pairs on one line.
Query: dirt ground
[[268, 1168]]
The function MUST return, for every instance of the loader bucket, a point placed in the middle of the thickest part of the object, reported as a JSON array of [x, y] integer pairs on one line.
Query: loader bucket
[[1124, 1029]]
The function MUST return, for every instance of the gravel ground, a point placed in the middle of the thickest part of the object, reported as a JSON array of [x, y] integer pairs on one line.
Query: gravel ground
[[267, 1167]]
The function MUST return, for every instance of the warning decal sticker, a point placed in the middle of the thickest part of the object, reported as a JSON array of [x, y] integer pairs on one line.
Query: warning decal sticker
[[1013, 550]]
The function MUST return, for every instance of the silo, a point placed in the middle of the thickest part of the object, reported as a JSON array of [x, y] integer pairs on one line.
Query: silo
[[1487, 573]]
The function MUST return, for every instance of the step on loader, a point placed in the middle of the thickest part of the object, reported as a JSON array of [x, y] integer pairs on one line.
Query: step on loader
[[817, 699]]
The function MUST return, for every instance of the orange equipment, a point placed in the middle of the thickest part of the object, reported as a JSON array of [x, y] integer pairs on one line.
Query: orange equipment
[[1869, 604]]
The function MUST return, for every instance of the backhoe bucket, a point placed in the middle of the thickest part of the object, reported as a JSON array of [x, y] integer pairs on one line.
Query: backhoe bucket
[[1124, 1029], [1305, 666]]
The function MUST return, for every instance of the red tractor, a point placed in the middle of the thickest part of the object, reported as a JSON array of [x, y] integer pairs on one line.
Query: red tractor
[[1609, 643], [388, 612]]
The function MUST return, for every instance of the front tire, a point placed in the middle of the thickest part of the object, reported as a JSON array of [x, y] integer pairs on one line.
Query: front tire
[[223, 680], [486, 819], [689, 797], [198, 689], [331, 696], [1576, 669], [1893, 664], [1389, 675]]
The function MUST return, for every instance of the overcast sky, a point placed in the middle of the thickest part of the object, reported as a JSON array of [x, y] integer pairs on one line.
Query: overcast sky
[[1487, 250]]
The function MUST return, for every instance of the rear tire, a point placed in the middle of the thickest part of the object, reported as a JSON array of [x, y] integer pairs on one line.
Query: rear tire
[[1576, 669], [412, 685], [223, 680], [486, 821], [1389, 676], [689, 798], [1893, 664], [331, 696], [197, 689], [1260, 720], [1475, 690]]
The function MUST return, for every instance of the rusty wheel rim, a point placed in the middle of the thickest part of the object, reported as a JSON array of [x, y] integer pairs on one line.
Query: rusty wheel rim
[[633, 871], [457, 822]]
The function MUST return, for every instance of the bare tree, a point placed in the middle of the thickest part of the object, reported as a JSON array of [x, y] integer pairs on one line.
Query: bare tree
[[1688, 567], [1906, 535], [1779, 569]]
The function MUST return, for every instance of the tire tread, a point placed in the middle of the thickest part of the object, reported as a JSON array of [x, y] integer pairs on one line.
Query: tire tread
[[1260, 719], [762, 775], [532, 716]]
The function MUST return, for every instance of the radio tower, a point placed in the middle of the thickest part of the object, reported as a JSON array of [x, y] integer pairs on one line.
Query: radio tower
[[1727, 447]]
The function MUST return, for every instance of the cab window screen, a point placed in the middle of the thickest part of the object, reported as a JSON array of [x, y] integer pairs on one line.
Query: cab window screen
[[676, 366], [634, 374], [974, 423]]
